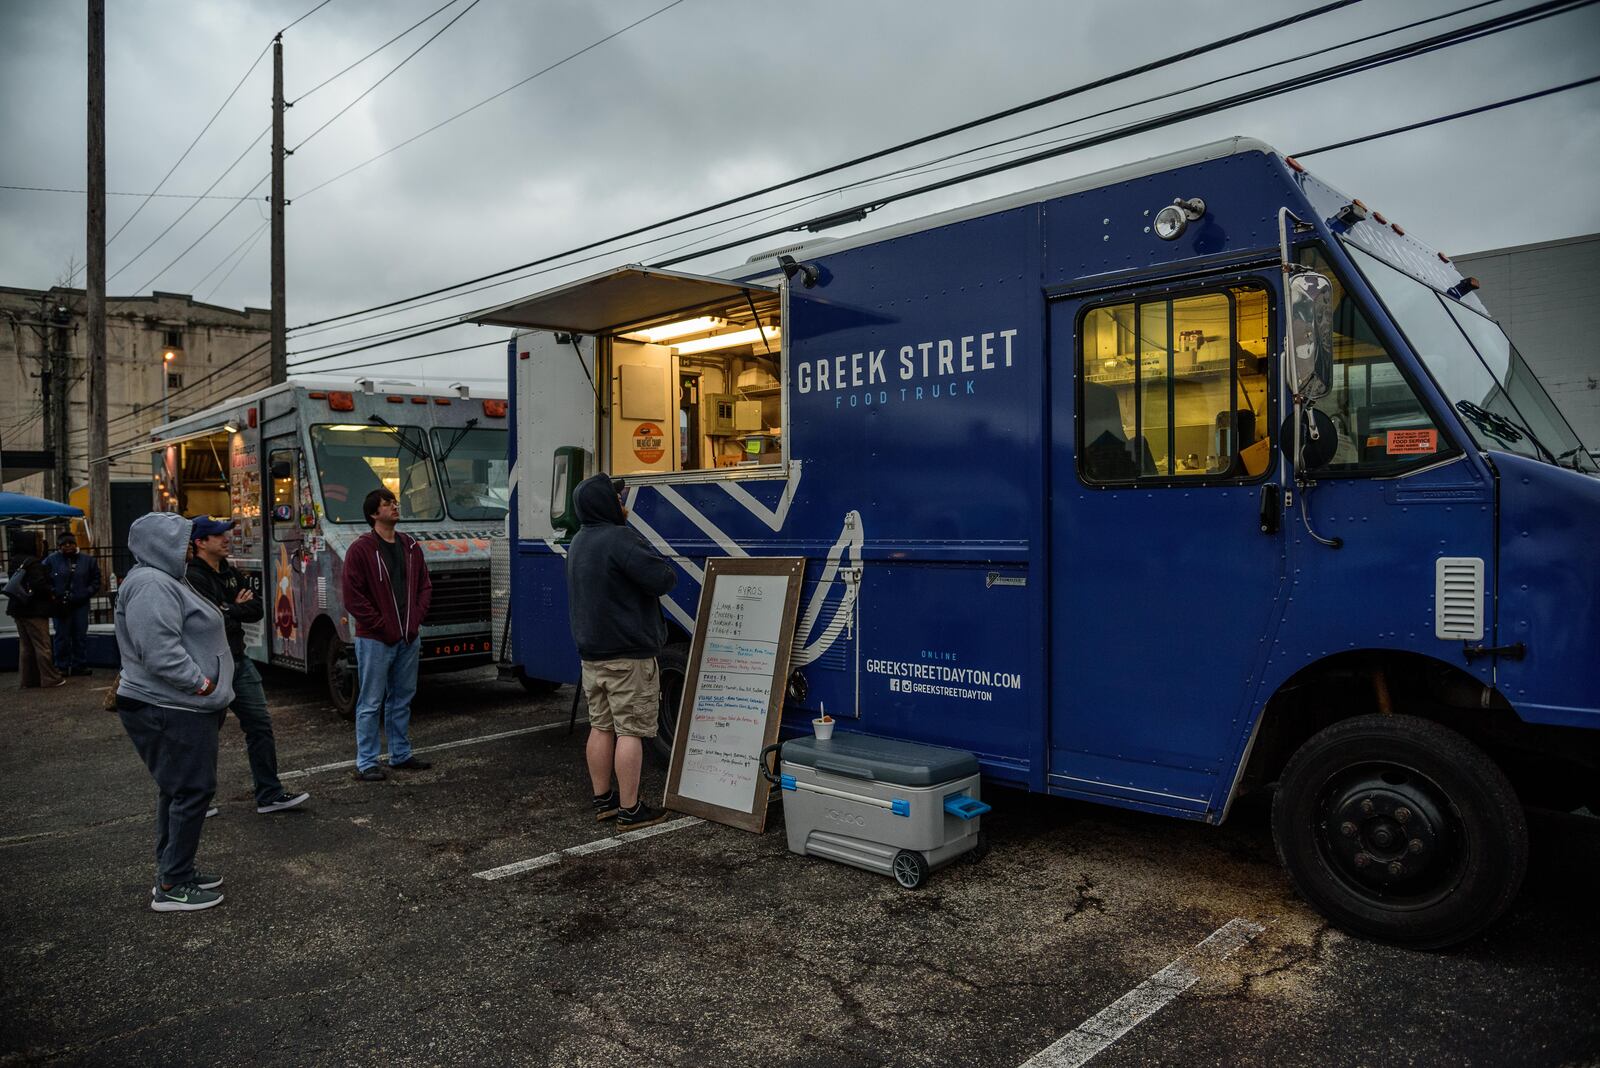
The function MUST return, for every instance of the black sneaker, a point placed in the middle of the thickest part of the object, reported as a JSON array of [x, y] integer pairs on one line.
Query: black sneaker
[[606, 805], [411, 763], [283, 801], [186, 898], [372, 774], [640, 815]]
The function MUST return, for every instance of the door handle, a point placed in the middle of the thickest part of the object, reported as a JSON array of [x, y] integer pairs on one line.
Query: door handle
[[1271, 509]]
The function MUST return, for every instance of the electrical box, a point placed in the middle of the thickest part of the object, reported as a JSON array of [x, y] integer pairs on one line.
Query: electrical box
[[746, 415], [717, 419]]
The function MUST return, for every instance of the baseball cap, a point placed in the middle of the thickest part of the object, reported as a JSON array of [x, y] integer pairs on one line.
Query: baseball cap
[[205, 527]]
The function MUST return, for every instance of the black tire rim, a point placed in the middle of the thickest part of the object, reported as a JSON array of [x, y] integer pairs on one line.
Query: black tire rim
[[341, 675], [1391, 835]]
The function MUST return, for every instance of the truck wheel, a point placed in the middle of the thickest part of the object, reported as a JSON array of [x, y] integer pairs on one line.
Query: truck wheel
[[537, 687], [910, 868], [1399, 829], [674, 664], [339, 672]]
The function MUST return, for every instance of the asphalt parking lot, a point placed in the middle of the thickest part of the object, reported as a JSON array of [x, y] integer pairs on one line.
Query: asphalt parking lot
[[356, 932]]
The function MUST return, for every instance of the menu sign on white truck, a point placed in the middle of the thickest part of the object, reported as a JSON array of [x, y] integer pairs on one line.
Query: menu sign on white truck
[[733, 691]]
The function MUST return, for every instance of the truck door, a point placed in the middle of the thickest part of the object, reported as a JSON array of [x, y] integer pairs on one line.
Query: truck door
[[1164, 588], [286, 492]]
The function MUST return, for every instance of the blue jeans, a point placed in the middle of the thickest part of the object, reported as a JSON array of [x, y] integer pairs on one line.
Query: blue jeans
[[250, 706], [71, 645], [388, 679]]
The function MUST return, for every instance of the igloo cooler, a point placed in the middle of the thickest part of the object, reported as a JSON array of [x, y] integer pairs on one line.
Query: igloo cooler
[[896, 808]]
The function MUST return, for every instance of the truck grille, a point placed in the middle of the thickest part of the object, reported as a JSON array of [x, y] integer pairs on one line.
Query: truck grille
[[459, 597]]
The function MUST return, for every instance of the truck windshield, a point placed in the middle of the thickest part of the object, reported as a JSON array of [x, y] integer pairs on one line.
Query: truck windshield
[[475, 467], [354, 460], [1481, 373]]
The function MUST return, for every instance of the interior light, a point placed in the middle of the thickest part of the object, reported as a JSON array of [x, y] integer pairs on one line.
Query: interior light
[[230, 428], [357, 426], [667, 331], [726, 341]]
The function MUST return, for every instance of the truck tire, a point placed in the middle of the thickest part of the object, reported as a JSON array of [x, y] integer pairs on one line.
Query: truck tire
[[537, 687], [340, 675], [1399, 829], [674, 664]]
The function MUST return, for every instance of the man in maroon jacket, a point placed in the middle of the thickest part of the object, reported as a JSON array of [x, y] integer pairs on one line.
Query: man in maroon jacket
[[386, 591]]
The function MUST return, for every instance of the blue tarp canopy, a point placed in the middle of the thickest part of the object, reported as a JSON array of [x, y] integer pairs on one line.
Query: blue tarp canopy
[[20, 508]]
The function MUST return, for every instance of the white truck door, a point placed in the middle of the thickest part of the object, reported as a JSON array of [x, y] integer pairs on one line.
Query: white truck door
[[556, 395]]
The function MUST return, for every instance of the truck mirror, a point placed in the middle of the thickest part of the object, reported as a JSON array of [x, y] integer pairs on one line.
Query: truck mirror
[[565, 474], [1318, 440], [1309, 351]]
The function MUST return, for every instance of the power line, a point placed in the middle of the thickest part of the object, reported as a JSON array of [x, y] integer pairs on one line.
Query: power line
[[220, 220], [770, 210], [386, 77], [250, 70], [1447, 39], [1449, 118], [369, 55], [307, 15], [249, 238], [496, 96], [254, 241], [871, 156], [83, 192], [498, 342]]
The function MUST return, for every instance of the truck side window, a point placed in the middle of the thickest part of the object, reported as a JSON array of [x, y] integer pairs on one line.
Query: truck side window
[[1383, 427], [1175, 388], [283, 463]]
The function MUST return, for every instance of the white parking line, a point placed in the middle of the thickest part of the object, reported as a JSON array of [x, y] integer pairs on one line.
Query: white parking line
[[303, 772], [588, 847], [1143, 1001]]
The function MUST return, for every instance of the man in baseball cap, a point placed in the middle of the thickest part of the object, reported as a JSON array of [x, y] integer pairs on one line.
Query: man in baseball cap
[[223, 585]]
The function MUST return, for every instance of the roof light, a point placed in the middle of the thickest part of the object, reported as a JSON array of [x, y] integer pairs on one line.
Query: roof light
[[419, 400], [1379, 216], [317, 394], [726, 341], [1294, 164], [1443, 258], [342, 400], [441, 400], [392, 399], [1396, 228], [494, 409]]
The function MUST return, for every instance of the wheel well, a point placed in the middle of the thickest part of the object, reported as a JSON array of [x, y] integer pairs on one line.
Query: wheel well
[[1548, 765], [318, 640]]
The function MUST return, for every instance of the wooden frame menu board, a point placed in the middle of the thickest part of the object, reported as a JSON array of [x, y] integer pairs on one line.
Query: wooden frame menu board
[[733, 689]]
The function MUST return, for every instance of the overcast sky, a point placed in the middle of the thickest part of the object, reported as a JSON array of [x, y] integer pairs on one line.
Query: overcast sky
[[702, 101]]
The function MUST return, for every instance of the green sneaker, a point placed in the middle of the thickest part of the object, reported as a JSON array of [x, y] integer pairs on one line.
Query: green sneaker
[[185, 898]]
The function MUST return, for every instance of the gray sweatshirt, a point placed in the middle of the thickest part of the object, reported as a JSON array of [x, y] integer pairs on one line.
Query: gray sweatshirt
[[171, 638]]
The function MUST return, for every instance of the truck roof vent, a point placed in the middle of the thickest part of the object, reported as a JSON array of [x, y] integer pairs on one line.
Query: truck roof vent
[[1458, 598]]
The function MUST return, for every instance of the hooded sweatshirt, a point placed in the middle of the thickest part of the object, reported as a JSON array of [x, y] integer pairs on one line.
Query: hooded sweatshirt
[[614, 580], [368, 590], [171, 638]]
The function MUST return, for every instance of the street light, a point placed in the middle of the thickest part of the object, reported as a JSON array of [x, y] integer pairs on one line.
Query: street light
[[166, 359]]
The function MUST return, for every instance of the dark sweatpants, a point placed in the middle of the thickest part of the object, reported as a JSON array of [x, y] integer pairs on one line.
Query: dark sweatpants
[[180, 749]]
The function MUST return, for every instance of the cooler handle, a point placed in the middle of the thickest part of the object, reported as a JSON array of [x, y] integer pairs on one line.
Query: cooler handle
[[965, 807], [849, 771], [767, 774]]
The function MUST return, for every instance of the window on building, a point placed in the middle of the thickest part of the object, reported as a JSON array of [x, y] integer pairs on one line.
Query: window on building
[[174, 380], [1174, 388], [173, 339]]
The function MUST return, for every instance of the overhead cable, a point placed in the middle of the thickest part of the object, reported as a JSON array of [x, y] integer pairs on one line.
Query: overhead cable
[[369, 55]]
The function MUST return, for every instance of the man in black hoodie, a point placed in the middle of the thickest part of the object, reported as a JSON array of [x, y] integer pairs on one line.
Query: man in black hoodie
[[614, 584], [221, 583]]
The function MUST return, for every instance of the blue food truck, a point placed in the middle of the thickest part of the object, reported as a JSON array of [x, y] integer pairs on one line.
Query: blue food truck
[[1151, 488]]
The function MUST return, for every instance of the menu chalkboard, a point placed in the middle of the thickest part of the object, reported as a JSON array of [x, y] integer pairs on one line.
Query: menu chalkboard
[[734, 688]]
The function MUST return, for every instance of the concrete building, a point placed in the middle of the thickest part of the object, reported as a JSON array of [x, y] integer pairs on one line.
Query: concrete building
[[215, 353], [1541, 295]]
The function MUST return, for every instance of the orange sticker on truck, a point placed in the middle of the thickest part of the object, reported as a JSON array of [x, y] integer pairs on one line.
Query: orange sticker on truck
[[1412, 442], [649, 444]]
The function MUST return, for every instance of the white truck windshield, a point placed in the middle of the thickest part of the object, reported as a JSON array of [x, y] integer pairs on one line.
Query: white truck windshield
[[476, 471], [354, 460], [1478, 369]]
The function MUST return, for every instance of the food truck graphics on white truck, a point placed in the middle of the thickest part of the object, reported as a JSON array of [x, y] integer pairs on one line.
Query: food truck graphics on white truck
[[1147, 488], [293, 464]]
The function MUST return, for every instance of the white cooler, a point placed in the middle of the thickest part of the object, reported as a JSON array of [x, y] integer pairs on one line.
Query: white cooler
[[897, 808]]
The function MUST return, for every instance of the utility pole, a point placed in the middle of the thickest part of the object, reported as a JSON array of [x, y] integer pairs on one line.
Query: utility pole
[[99, 442], [280, 341], [60, 357]]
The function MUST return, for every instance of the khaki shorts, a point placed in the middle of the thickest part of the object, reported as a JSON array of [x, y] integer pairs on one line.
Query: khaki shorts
[[623, 696]]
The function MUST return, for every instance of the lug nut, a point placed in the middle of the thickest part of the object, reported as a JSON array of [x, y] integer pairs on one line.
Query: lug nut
[[1415, 845], [1347, 829], [1367, 807], [1396, 868], [1402, 814], [1362, 860]]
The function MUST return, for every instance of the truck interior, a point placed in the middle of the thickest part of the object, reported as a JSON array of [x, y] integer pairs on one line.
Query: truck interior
[[690, 368], [191, 476]]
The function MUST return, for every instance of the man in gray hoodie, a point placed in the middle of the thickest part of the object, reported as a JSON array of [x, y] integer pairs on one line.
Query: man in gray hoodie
[[177, 677]]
